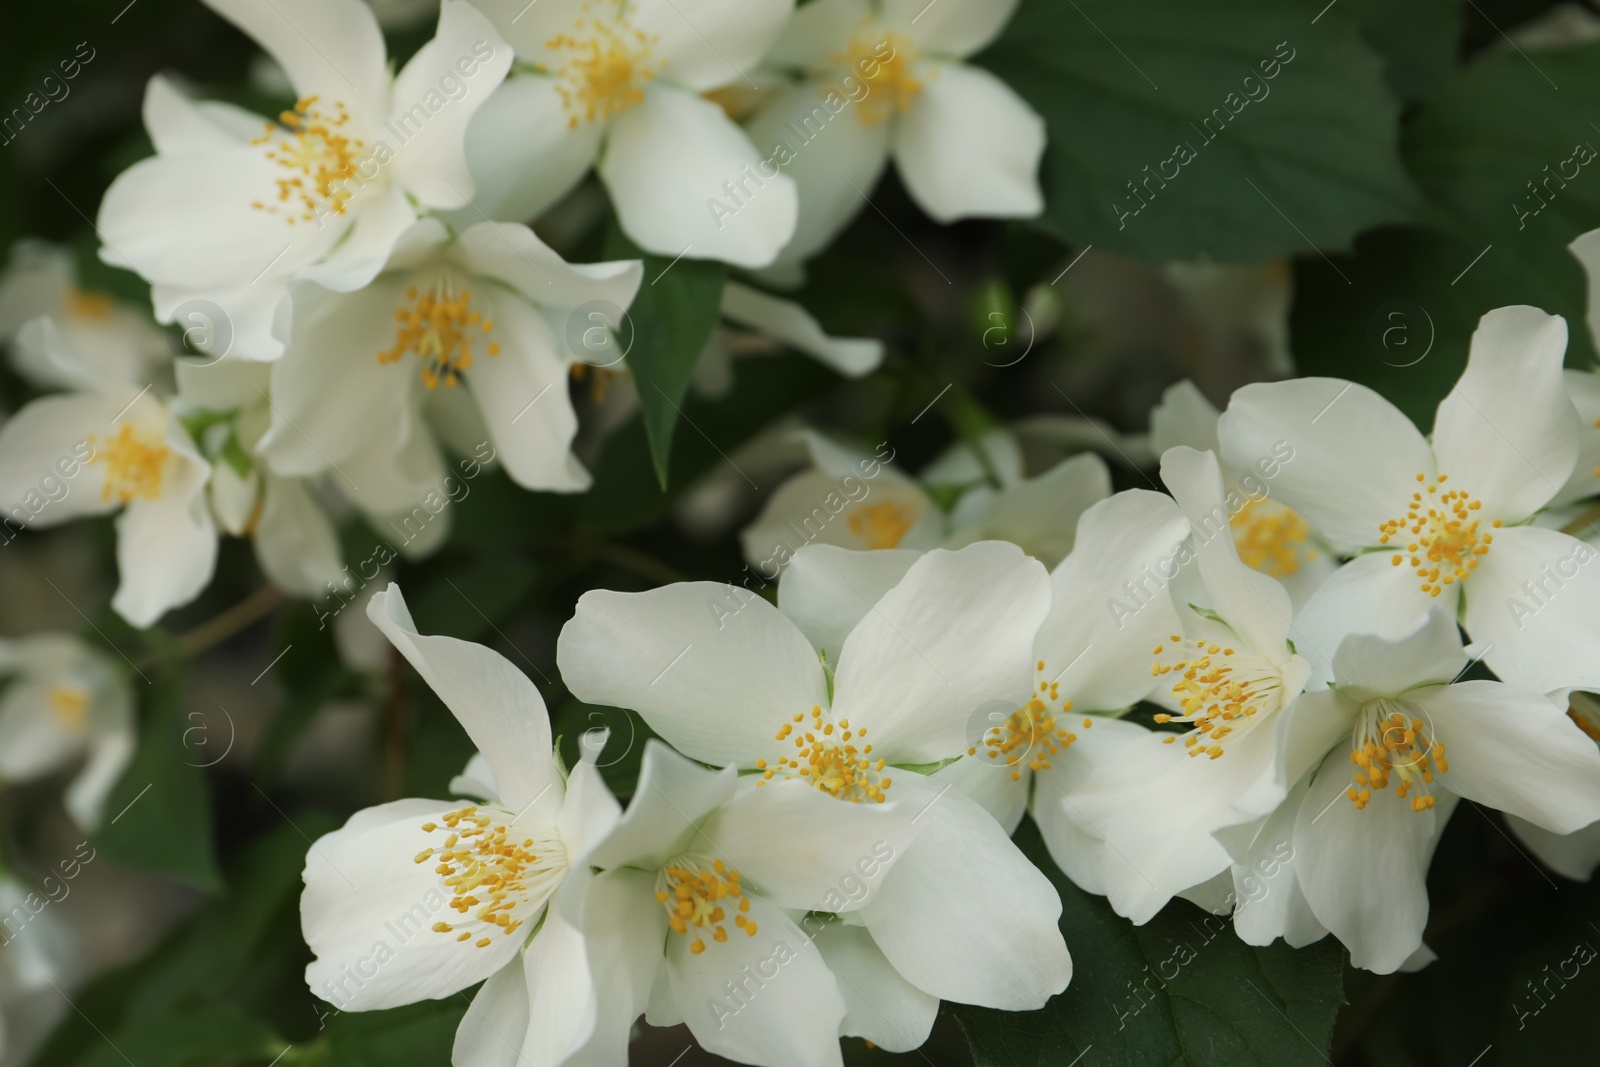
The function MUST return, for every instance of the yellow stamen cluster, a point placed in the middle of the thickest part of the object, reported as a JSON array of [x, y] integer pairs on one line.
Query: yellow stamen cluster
[[826, 757], [1387, 745], [881, 525], [891, 85], [1217, 689], [605, 66], [306, 141], [437, 324], [488, 871], [70, 705], [1271, 538], [693, 894], [1029, 732], [134, 465], [1445, 544], [89, 306]]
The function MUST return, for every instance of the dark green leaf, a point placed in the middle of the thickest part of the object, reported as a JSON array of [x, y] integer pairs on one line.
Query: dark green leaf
[[1419, 40], [1125, 86], [1180, 991], [678, 306], [159, 815]]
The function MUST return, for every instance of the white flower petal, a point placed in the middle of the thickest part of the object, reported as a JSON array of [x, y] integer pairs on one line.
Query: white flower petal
[[848, 510], [590, 811], [789, 322], [964, 916], [1349, 458], [178, 126], [368, 912], [707, 43], [715, 686], [166, 548], [880, 1005], [384, 217], [496, 704], [328, 47], [1311, 727], [490, 1033], [46, 440], [816, 134], [1515, 751], [1077, 849], [625, 929], [806, 850], [991, 782], [430, 162], [1096, 642], [952, 27], [1040, 514], [296, 543], [674, 796], [827, 590], [970, 146], [1571, 855], [1583, 387], [665, 164], [1367, 595], [562, 994], [522, 393], [1265, 889], [955, 634], [1362, 870], [1432, 653], [789, 1012], [34, 741], [1184, 417], [1531, 603], [516, 256], [817, 31], [523, 152]]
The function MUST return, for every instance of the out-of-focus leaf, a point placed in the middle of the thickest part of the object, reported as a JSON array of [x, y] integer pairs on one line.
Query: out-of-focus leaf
[[1419, 40], [1307, 157], [420, 1034], [1180, 991], [159, 814], [678, 306]]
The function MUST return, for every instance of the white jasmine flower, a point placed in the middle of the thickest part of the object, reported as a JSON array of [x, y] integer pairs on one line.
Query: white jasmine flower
[[233, 208], [855, 500], [1268, 536], [1226, 671], [420, 899], [64, 337], [65, 703], [700, 916], [1382, 746], [490, 308], [875, 664], [38, 957], [624, 86], [1431, 521], [882, 78], [1573, 855]]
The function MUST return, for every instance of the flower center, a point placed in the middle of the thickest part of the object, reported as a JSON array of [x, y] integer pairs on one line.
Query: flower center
[[884, 62], [693, 892], [605, 64], [1029, 733], [1272, 538], [492, 871], [320, 160], [881, 525], [1389, 744], [134, 467], [438, 324], [88, 306], [70, 705], [1218, 688], [1444, 543], [825, 757]]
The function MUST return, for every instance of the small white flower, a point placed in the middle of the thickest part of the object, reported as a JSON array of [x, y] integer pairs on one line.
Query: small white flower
[[1442, 522], [882, 78], [37, 960], [367, 373], [420, 899], [857, 500], [623, 86], [232, 207], [65, 702], [1269, 536], [1380, 750], [64, 337], [919, 645]]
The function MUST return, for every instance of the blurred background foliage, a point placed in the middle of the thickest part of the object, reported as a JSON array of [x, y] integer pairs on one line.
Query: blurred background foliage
[[1391, 168]]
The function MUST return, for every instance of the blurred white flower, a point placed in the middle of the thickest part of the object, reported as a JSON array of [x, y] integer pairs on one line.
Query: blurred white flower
[[360, 384], [64, 703], [888, 78], [747, 310], [64, 337], [623, 87], [38, 959], [1431, 520], [233, 208], [876, 664]]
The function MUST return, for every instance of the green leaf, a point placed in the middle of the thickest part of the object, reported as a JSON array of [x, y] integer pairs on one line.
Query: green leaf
[[421, 1034], [213, 1034], [1419, 40], [1124, 86], [671, 320], [159, 814], [1180, 991]]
